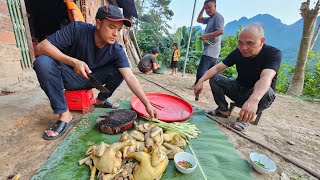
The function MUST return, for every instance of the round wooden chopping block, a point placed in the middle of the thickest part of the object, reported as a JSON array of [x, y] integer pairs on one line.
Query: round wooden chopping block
[[116, 121]]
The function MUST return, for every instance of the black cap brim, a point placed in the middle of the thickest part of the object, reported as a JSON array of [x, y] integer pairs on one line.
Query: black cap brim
[[126, 22]]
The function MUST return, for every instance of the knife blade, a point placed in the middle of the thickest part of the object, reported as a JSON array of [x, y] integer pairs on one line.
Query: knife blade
[[96, 84]]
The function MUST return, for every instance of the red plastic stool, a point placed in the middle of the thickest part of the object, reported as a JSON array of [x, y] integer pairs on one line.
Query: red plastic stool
[[80, 100]]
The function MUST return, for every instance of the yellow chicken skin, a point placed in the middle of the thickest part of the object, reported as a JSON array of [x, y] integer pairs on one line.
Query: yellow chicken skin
[[111, 159], [147, 169]]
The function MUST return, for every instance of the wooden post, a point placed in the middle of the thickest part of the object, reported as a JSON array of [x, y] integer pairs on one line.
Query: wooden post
[[27, 29], [134, 40]]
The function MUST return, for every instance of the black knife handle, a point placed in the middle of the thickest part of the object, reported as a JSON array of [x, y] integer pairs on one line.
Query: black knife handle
[[197, 95]]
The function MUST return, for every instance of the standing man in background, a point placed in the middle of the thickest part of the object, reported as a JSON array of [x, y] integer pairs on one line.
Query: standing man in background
[[211, 37]]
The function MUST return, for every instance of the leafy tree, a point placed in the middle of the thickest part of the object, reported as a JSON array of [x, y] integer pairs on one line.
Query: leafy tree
[[285, 71], [181, 36], [148, 37], [229, 43], [193, 61], [310, 17], [152, 24], [312, 76]]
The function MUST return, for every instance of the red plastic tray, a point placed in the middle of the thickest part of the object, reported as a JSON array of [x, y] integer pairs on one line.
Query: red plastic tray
[[169, 108]]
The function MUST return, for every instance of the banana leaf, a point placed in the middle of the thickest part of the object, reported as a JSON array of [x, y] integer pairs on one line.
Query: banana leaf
[[216, 155]]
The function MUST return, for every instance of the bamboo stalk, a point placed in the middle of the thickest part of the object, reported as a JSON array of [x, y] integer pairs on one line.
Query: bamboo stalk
[[134, 40], [23, 35], [135, 53], [27, 30]]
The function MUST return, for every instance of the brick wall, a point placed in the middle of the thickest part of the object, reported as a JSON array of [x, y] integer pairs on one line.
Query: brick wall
[[10, 55], [89, 9], [6, 29]]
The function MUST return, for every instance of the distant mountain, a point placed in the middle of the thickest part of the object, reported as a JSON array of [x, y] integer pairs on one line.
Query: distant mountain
[[199, 28], [285, 37]]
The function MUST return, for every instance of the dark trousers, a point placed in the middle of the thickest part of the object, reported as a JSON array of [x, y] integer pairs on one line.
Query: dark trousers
[[206, 63], [54, 77], [222, 86]]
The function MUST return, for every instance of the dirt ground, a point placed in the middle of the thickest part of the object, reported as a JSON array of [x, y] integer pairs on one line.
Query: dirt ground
[[290, 125]]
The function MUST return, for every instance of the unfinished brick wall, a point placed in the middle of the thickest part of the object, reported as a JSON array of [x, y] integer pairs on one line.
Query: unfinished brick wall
[[90, 8], [6, 29], [9, 53]]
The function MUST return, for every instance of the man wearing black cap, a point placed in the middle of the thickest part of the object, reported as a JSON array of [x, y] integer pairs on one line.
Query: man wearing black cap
[[80, 48], [149, 62]]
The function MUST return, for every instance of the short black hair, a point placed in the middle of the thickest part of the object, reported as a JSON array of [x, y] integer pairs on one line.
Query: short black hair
[[155, 51], [207, 1], [176, 45]]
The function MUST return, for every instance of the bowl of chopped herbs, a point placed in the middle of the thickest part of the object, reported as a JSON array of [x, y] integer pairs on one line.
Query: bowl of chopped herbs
[[262, 163], [185, 162]]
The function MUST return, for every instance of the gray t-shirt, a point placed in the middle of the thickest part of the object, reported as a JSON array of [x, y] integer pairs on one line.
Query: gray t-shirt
[[214, 23], [147, 62]]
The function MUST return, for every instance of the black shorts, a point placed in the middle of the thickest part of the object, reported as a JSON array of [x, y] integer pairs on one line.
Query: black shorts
[[174, 64]]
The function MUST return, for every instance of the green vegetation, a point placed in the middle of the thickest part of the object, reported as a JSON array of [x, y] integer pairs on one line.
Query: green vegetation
[[260, 164], [311, 90], [185, 164], [283, 78], [185, 129]]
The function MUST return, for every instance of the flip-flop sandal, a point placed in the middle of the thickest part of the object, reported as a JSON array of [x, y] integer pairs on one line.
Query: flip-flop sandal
[[217, 113], [60, 127], [240, 125], [107, 104]]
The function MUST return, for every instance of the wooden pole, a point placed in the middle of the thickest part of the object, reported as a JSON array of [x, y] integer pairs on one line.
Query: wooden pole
[[189, 39]]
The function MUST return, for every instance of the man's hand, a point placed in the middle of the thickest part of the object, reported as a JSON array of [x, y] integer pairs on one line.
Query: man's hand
[[203, 37], [198, 88], [81, 68], [248, 110], [155, 66], [151, 111], [200, 16], [250, 107], [135, 87]]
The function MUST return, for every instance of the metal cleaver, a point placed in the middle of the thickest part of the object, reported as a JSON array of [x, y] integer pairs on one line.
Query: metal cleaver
[[96, 84]]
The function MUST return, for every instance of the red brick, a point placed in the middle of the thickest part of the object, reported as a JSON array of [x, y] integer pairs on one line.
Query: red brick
[[84, 13], [4, 8], [7, 38], [91, 9], [7, 24]]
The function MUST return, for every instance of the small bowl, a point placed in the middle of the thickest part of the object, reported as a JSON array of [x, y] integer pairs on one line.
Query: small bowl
[[184, 156], [269, 166]]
